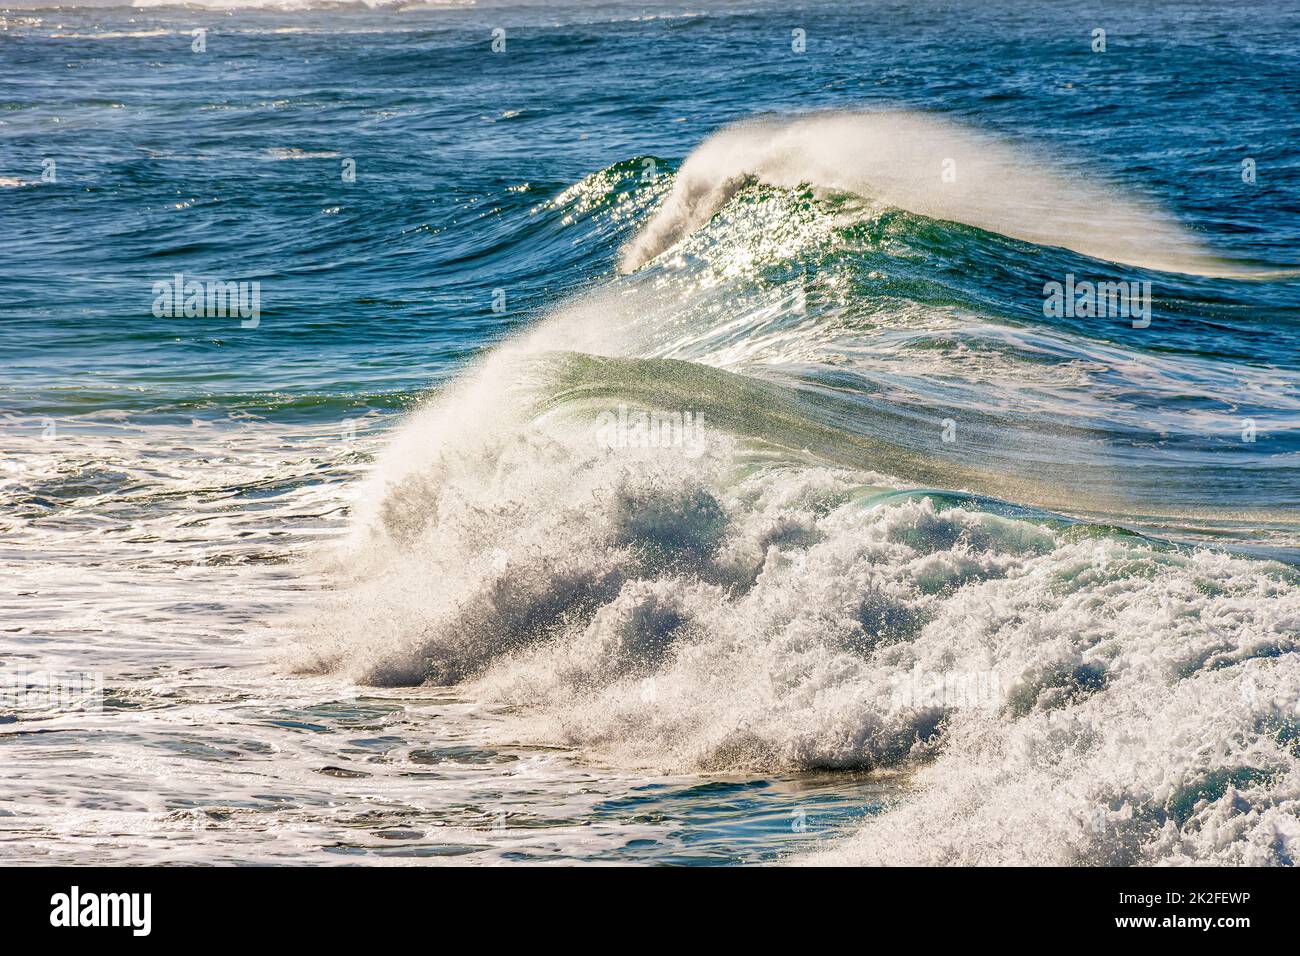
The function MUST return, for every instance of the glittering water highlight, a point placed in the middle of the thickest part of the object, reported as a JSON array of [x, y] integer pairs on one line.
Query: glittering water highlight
[[685, 469]]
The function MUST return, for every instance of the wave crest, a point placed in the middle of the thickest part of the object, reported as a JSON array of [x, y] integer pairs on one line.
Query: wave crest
[[762, 597], [927, 166]]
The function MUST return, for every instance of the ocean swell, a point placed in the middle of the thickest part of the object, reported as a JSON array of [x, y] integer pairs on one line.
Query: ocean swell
[[927, 166], [705, 519]]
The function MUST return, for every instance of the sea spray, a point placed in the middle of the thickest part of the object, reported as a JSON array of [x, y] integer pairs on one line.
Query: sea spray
[[926, 165], [793, 597]]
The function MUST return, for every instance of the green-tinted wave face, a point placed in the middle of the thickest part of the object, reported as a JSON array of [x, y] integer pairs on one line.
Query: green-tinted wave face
[[824, 325], [654, 399]]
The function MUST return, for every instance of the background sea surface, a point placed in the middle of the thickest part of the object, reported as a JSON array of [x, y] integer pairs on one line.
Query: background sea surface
[[909, 570]]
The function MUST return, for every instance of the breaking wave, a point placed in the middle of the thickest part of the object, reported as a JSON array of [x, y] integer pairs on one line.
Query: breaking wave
[[799, 491], [927, 166]]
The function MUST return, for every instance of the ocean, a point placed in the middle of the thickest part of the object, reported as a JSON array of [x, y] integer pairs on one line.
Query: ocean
[[625, 432]]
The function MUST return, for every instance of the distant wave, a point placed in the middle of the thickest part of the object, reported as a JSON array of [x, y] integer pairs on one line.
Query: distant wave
[[304, 4], [900, 159], [285, 5]]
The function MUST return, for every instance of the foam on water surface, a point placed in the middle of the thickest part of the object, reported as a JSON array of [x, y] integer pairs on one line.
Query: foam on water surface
[[785, 523]]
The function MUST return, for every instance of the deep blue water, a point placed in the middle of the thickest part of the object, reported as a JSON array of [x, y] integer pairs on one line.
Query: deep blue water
[[908, 467], [173, 161]]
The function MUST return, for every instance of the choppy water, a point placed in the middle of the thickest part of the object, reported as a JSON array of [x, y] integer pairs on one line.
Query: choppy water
[[907, 569]]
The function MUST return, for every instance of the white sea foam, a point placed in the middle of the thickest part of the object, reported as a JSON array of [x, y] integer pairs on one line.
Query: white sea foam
[[1057, 694], [1062, 697], [900, 159], [1129, 704]]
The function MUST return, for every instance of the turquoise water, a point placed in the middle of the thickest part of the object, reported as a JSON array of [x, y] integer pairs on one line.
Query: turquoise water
[[818, 243]]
